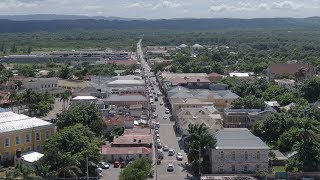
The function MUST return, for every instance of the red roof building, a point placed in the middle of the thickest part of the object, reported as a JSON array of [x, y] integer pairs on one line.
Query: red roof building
[[133, 141], [121, 121], [275, 70], [215, 76], [125, 153]]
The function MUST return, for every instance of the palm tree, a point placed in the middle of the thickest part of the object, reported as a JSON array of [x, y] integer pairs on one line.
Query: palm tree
[[69, 166], [65, 98], [12, 97], [45, 172], [18, 84], [198, 142]]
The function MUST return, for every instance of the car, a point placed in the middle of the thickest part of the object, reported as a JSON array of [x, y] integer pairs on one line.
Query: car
[[159, 146], [171, 152], [165, 117], [116, 164], [158, 141], [161, 103], [99, 170], [152, 88], [159, 94], [167, 111], [158, 124], [165, 148], [170, 167], [179, 157], [154, 93], [104, 165], [157, 135], [156, 131]]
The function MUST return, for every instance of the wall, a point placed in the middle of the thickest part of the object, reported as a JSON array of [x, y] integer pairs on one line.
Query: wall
[[239, 162]]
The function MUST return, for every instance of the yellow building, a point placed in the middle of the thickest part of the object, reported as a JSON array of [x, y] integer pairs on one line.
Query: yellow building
[[22, 133]]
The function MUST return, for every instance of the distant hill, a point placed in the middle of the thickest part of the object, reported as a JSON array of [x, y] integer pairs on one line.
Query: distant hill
[[174, 24], [46, 17]]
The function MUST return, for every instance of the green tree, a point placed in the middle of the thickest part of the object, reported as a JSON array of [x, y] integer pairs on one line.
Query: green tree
[[65, 73], [199, 139], [13, 48], [18, 84], [12, 174], [67, 150], [310, 89], [44, 171], [248, 102], [85, 114], [139, 170], [288, 139], [29, 50], [26, 172], [64, 97]]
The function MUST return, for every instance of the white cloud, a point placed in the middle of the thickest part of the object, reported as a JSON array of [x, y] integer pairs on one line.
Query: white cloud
[[286, 5], [219, 8], [139, 5], [170, 4]]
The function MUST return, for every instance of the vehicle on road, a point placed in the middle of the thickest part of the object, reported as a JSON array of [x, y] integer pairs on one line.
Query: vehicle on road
[[156, 99], [161, 103], [159, 146], [104, 165], [116, 164], [170, 167], [165, 117], [158, 141], [157, 135], [155, 115], [156, 131], [159, 94], [165, 148], [167, 111], [171, 152], [179, 156], [99, 170]]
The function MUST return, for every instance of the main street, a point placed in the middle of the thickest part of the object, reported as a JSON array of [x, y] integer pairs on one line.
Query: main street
[[167, 133]]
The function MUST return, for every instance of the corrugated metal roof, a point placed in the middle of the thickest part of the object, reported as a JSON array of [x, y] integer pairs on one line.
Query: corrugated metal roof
[[10, 121], [238, 138]]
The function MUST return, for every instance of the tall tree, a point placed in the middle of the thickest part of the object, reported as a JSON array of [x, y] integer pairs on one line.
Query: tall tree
[[85, 114], [139, 169]]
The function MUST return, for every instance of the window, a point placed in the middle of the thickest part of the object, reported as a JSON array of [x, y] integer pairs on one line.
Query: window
[[47, 135], [27, 138], [245, 168], [233, 168], [246, 155], [37, 136], [221, 155], [258, 155], [221, 168], [233, 155], [7, 155], [17, 139], [257, 167], [7, 142]]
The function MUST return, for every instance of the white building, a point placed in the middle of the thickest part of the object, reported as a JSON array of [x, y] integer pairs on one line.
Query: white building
[[84, 99], [238, 151], [41, 84]]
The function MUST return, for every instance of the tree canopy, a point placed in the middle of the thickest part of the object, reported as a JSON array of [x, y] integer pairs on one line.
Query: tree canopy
[[85, 114], [138, 169]]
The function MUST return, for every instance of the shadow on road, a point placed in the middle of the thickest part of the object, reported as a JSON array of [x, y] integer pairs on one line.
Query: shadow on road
[[187, 168]]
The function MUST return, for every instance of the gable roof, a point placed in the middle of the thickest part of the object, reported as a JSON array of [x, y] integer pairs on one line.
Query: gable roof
[[289, 68], [238, 138]]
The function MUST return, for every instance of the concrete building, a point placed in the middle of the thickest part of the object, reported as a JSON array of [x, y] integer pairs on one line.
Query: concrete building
[[118, 121], [207, 115], [238, 118], [127, 100], [238, 151], [286, 83], [41, 84], [22, 133], [83, 100]]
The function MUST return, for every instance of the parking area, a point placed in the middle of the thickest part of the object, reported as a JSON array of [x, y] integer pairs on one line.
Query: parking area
[[111, 173]]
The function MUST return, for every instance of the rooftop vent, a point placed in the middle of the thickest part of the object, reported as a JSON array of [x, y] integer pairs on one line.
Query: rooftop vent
[[134, 140]]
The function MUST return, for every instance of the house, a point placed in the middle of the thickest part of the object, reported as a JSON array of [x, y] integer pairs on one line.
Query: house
[[126, 83], [8, 86], [272, 106], [280, 159], [286, 83], [238, 118], [215, 76], [179, 103], [118, 121], [21, 133], [158, 60], [88, 91], [127, 100], [240, 75], [168, 80], [296, 70], [133, 144], [83, 100], [238, 151], [206, 115], [41, 84], [197, 46]]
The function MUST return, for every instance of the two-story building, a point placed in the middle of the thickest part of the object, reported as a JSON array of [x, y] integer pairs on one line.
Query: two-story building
[[22, 133], [127, 100], [238, 151]]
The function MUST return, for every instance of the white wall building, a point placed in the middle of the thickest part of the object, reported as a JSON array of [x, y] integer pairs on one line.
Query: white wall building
[[41, 84], [238, 151]]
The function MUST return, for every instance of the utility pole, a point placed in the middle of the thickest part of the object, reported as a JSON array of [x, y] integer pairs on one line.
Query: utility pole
[[87, 167]]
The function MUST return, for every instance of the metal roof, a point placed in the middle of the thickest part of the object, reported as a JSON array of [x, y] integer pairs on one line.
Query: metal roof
[[10, 121], [126, 98], [238, 138]]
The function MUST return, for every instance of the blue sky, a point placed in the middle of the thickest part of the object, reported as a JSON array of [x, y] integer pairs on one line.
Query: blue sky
[[154, 9]]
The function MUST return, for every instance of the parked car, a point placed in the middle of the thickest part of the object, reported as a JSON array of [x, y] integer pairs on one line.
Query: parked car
[[171, 152], [159, 146], [116, 164], [158, 141], [167, 111], [99, 170], [170, 167], [161, 103], [104, 165], [179, 157], [123, 164], [165, 117], [165, 148]]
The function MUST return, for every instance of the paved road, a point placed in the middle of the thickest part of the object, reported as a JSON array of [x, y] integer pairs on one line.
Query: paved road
[[167, 135]]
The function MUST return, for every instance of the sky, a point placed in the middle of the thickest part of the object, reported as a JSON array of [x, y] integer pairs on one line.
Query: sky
[[158, 9]]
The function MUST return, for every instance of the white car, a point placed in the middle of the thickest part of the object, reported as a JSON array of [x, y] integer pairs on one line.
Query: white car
[[104, 165], [165, 148], [167, 111], [170, 167], [179, 157], [165, 117], [158, 141], [99, 170], [161, 103], [157, 135], [171, 152], [156, 131]]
